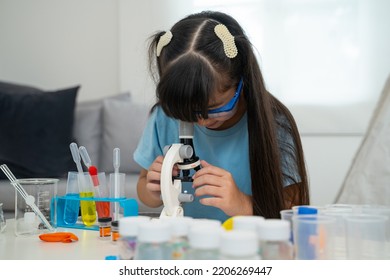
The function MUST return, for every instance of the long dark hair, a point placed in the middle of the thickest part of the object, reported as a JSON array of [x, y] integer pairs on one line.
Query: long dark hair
[[193, 64]]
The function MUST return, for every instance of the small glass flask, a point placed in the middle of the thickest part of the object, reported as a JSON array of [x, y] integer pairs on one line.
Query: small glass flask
[[114, 231], [105, 227]]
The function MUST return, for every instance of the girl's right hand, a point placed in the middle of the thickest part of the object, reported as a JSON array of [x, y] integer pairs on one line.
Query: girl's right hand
[[153, 178]]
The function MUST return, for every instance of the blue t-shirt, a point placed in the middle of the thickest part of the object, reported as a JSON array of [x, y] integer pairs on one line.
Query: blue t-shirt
[[227, 149]]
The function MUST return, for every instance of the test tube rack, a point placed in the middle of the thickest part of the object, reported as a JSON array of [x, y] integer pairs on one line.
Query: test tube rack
[[128, 205]]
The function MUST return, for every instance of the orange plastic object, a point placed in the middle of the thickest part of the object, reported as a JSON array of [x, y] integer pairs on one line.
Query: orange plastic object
[[65, 237]]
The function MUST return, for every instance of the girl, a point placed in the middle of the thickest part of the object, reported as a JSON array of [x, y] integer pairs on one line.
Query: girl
[[249, 145]]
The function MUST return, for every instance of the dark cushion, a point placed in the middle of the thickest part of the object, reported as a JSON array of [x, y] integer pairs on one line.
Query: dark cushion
[[36, 130]]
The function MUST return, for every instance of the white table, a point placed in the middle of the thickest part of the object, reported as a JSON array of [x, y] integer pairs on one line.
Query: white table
[[88, 247]]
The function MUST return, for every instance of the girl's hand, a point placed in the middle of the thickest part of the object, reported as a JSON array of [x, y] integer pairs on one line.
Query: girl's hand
[[220, 185], [153, 177]]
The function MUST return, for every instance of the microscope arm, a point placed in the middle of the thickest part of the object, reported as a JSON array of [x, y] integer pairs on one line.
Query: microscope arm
[[171, 190]]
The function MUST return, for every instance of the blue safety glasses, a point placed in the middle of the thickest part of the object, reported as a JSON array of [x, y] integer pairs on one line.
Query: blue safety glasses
[[229, 108]]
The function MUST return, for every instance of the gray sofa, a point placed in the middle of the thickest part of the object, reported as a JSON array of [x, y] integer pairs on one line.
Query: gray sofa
[[100, 126]]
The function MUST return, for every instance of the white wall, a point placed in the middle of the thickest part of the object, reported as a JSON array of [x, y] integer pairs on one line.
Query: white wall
[[326, 60], [328, 159], [55, 44], [137, 23]]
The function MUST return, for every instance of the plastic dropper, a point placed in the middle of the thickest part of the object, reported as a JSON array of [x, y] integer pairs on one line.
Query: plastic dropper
[[85, 156], [116, 162], [88, 163], [76, 156]]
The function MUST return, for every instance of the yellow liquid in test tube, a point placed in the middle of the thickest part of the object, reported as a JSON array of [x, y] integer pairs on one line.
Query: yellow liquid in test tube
[[88, 209]]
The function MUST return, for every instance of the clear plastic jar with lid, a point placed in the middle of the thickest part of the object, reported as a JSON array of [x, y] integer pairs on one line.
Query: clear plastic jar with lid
[[180, 227], [204, 240], [239, 245], [128, 232], [154, 241], [274, 235]]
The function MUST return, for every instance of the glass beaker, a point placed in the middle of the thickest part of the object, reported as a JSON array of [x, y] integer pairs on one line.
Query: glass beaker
[[2, 219], [44, 191]]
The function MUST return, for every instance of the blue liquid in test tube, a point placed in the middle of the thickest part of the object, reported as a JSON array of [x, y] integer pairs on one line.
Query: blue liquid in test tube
[[71, 208]]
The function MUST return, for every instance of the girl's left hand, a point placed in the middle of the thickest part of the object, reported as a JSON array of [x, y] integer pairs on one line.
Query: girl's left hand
[[220, 185]]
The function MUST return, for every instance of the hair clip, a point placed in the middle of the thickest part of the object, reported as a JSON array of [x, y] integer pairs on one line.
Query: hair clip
[[229, 46], [164, 40]]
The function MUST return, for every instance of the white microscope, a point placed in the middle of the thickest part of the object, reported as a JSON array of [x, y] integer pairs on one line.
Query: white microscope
[[183, 155]]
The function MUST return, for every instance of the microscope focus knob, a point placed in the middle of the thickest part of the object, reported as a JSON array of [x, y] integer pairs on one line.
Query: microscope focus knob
[[186, 151], [185, 197]]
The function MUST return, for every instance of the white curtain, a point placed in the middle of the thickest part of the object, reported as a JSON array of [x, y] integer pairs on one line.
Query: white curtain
[[368, 179]]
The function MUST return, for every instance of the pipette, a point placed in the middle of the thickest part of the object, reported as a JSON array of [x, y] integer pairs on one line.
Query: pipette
[[116, 162], [84, 155], [92, 170], [76, 156], [88, 163], [30, 200]]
